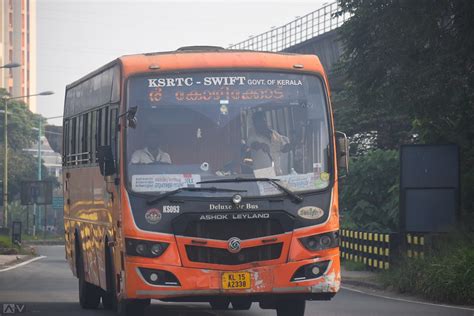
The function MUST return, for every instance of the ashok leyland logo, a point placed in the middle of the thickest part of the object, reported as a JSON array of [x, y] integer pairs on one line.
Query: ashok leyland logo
[[233, 245]]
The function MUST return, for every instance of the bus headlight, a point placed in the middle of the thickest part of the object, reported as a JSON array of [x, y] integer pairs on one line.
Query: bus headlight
[[144, 248], [321, 241]]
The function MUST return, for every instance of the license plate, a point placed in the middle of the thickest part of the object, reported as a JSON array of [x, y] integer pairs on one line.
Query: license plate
[[235, 280]]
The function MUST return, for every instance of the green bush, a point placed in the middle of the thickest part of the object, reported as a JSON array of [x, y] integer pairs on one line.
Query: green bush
[[369, 194], [445, 275]]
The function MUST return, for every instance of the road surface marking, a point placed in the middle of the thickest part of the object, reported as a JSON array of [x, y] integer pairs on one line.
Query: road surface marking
[[22, 263], [405, 300]]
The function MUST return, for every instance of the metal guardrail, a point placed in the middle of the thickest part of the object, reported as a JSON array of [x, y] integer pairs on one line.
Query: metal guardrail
[[304, 28]]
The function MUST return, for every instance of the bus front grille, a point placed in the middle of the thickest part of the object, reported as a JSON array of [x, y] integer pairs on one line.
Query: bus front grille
[[223, 256], [189, 225]]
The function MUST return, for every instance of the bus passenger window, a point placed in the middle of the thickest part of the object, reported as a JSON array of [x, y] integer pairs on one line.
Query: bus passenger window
[[93, 136]]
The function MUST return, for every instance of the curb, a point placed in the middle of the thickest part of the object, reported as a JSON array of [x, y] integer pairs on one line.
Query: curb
[[15, 262], [8, 268], [362, 283], [43, 242]]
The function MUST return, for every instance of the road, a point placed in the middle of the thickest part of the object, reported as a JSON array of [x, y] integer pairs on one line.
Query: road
[[47, 287]]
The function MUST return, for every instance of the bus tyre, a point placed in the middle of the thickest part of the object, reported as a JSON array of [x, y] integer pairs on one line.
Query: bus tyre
[[89, 294], [221, 303], [127, 307], [290, 307], [109, 297], [240, 303]]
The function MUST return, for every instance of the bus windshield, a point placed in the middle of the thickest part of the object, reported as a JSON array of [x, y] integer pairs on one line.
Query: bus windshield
[[201, 126]]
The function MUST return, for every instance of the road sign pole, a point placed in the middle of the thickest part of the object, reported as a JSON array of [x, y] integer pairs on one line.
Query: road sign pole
[[27, 219], [34, 219], [45, 219]]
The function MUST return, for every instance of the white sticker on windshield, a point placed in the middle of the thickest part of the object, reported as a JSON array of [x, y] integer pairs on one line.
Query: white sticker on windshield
[[299, 182], [163, 182]]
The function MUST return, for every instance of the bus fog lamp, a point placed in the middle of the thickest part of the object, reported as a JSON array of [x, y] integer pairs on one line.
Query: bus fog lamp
[[315, 270], [153, 277]]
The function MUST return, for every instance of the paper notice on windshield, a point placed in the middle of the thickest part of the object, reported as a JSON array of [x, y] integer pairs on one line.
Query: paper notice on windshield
[[265, 173], [296, 182], [163, 182]]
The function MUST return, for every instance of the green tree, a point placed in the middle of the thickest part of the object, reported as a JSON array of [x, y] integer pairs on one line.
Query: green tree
[[410, 76], [21, 135], [369, 196]]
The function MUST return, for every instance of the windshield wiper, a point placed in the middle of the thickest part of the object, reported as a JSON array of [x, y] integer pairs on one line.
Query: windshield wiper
[[295, 197], [190, 189]]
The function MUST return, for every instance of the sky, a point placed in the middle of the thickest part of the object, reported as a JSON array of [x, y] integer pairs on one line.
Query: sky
[[75, 37]]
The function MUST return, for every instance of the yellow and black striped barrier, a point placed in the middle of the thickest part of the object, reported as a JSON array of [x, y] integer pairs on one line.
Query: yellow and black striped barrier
[[378, 250], [371, 248], [415, 244]]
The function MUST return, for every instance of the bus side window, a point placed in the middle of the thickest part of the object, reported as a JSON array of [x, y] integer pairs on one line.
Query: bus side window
[[93, 137], [112, 130], [105, 124], [72, 147], [85, 139], [98, 132], [79, 142], [65, 142]]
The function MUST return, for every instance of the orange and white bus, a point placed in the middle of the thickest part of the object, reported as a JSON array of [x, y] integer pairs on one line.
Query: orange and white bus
[[205, 175]]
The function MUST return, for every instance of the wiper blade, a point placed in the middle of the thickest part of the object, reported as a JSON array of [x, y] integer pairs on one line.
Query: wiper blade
[[190, 189], [295, 197]]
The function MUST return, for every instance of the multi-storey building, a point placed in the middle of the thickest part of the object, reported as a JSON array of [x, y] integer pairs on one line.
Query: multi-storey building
[[18, 44]]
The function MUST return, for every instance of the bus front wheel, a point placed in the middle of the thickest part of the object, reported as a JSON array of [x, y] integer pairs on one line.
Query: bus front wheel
[[109, 297], [241, 303], [132, 307], [221, 303], [290, 307]]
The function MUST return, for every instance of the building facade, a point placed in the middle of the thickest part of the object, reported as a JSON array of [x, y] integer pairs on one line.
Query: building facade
[[18, 44], [51, 159]]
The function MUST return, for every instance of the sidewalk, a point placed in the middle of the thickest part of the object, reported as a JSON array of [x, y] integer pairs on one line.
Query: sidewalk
[[9, 260], [360, 278]]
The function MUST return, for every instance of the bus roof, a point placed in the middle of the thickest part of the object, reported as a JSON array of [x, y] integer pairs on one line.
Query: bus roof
[[218, 59], [208, 57]]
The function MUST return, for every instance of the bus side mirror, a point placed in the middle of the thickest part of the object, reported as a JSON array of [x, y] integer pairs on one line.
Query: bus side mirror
[[342, 150], [106, 160], [131, 119]]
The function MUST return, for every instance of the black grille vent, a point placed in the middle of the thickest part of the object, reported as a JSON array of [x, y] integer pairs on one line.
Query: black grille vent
[[241, 229], [223, 256]]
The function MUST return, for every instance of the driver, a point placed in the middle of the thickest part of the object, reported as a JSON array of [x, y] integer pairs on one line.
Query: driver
[[152, 152], [267, 145]]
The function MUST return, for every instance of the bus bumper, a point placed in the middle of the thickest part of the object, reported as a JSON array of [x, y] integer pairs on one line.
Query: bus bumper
[[273, 279]]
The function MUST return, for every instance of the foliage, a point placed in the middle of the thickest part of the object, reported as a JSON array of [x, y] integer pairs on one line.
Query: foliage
[[369, 195], [5, 241], [410, 77], [446, 275], [354, 266], [21, 135]]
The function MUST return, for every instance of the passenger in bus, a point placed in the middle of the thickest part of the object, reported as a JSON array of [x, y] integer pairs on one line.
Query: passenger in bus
[[267, 146], [152, 153]]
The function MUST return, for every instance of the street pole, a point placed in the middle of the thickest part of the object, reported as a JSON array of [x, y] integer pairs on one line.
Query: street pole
[[5, 165], [39, 168], [10, 66]]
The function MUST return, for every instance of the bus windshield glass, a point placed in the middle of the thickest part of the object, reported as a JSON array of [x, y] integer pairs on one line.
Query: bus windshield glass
[[201, 126]]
